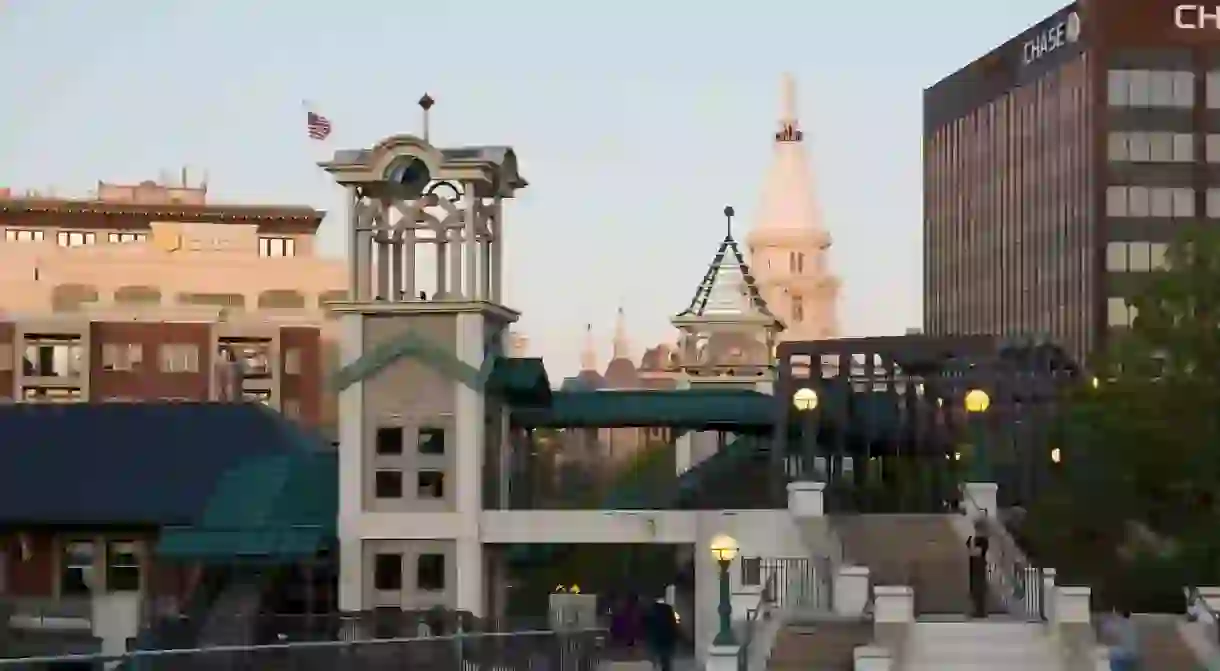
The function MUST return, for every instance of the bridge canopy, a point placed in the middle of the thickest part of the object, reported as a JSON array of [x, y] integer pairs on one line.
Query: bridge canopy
[[736, 410]]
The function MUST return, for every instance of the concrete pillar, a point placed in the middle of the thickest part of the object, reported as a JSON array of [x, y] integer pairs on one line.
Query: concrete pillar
[[469, 429], [850, 595], [981, 498], [351, 469], [893, 604], [1071, 605], [722, 658], [806, 499], [872, 658], [1048, 594]]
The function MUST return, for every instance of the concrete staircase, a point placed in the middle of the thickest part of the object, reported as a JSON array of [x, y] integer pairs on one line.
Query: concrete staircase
[[922, 551], [1161, 645], [821, 646], [981, 646]]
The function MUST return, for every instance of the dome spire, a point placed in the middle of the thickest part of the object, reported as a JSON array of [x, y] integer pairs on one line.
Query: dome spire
[[789, 122], [588, 353], [622, 346], [788, 197]]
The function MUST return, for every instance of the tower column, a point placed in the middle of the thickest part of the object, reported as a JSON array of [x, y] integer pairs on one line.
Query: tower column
[[417, 504]]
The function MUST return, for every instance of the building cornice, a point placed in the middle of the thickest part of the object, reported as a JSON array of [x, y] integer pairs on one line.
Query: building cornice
[[165, 211]]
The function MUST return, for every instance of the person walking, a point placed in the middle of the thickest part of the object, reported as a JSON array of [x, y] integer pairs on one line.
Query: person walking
[[1124, 641], [661, 634], [977, 546]]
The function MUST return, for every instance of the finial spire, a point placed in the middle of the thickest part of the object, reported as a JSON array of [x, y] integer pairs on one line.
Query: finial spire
[[425, 103], [728, 222], [588, 354], [789, 123], [622, 347]]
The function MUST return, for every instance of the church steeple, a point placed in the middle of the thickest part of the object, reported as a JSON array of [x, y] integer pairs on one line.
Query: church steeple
[[588, 353], [622, 345], [789, 244]]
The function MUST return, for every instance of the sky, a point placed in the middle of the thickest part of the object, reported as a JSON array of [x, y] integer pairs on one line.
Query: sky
[[635, 122]]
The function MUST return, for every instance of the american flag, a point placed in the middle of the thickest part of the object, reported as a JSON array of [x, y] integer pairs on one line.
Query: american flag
[[318, 125]]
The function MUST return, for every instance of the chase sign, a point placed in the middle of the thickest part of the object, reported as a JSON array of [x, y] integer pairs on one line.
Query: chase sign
[[1050, 38]]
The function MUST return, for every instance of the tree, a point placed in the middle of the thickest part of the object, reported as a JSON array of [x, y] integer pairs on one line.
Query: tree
[[1142, 447]]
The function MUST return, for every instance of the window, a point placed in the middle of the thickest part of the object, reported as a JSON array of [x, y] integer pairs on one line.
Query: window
[[431, 441], [1119, 313], [751, 571], [122, 356], [51, 395], [1158, 255], [179, 358], [227, 301], [121, 238], [389, 440], [387, 572], [387, 484], [798, 309], [1137, 257], [1139, 88], [1155, 147], [1213, 90], [122, 567], [277, 247], [75, 238], [1213, 203], [430, 484], [796, 263], [1183, 90], [76, 574], [1119, 88], [137, 294], [1116, 256], [1160, 89], [254, 356], [20, 235], [292, 361], [1142, 201], [430, 573], [53, 357]]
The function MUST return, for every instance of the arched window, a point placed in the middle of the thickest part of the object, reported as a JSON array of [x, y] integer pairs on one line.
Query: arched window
[[138, 293], [228, 301], [70, 297], [281, 299]]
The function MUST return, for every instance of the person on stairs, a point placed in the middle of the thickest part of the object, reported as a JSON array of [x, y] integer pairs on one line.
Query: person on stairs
[[1124, 641], [661, 634], [977, 546]]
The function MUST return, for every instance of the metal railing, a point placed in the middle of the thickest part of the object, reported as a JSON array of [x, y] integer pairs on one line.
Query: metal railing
[[1199, 610], [1016, 582], [518, 651], [761, 613], [799, 582]]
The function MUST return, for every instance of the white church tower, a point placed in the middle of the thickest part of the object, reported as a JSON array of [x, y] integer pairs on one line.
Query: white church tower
[[789, 245]]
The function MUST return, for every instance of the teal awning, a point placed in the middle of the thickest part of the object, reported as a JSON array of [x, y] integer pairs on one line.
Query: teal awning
[[277, 508]]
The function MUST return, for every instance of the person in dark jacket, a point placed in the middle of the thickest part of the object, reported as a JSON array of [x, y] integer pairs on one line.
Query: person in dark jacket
[[977, 545], [661, 634]]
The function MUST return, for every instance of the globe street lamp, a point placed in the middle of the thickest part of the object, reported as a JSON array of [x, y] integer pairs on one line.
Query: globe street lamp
[[724, 549], [805, 399], [977, 403]]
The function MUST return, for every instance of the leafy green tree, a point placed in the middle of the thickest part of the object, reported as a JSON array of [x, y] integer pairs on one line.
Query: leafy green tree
[[1141, 449]]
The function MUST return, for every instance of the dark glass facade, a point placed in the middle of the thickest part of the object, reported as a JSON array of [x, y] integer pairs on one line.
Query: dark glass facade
[[1059, 166]]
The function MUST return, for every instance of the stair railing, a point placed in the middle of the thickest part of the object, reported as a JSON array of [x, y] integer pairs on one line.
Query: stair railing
[[756, 617], [1012, 577], [1199, 610]]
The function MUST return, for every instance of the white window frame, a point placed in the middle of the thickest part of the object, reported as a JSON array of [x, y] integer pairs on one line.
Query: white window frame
[[179, 358], [122, 356], [24, 235], [277, 247], [75, 238], [122, 238]]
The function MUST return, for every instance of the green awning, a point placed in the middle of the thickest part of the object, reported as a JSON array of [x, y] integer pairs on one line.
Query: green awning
[[234, 545], [277, 508]]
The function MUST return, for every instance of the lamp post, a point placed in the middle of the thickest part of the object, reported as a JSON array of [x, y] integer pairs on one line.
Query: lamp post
[[724, 549], [977, 403], [805, 401]]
